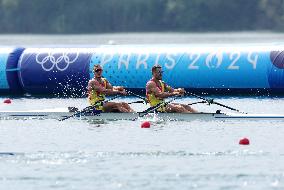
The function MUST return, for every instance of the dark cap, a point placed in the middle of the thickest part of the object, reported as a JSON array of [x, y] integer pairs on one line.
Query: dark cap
[[156, 67]]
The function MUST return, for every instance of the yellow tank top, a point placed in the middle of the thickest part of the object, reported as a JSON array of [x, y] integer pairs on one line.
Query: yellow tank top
[[96, 98], [153, 100]]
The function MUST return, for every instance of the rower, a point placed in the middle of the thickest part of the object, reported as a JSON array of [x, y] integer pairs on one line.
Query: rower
[[157, 90], [99, 87]]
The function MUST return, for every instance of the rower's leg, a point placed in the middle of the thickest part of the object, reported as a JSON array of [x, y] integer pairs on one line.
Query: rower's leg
[[176, 108], [114, 107], [127, 107], [122, 108], [110, 107], [187, 107]]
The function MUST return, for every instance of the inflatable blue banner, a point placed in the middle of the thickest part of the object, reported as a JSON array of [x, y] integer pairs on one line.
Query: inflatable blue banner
[[200, 67], [4, 53], [191, 67], [9, 81]]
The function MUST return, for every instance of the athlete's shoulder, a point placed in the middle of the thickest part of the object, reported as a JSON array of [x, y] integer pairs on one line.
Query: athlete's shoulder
[[92, 80], [150, 82]]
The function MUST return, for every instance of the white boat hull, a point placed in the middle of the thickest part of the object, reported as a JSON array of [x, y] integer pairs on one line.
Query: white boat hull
[[62, 113]]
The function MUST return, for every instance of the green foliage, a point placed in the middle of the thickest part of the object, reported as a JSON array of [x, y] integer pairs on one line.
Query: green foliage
[[97, 16]]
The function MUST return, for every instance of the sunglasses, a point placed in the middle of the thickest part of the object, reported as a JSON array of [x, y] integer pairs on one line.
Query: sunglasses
[[98, 70], [160, 71]]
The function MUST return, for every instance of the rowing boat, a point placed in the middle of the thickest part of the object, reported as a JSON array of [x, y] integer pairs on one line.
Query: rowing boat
[[61, 113]]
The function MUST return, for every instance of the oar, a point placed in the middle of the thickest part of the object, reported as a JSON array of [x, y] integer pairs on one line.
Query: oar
[[154, 108], [211, 101], [136, 102], [200, 102], [138, 96], [88, 108]]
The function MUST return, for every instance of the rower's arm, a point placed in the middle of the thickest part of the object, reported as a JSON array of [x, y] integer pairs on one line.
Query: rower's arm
[[152, 88], [168, 88], [111, 90], [179, 91], [94, 85]]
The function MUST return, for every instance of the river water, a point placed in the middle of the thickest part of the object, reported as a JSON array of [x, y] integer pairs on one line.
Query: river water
[[81, 154]]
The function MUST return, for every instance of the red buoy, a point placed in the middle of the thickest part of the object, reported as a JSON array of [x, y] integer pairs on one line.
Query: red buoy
[[244, 141], [7, 101], [146, 124]]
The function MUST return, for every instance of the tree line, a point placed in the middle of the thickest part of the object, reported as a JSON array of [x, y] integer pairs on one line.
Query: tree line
[[105, 16]]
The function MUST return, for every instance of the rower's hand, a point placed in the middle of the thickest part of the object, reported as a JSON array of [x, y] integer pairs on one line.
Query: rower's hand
[[123, 92], [179, 91], [118, 88], [176, 93]]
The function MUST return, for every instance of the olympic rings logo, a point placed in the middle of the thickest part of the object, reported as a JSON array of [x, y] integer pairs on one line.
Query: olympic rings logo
[[61, 61]]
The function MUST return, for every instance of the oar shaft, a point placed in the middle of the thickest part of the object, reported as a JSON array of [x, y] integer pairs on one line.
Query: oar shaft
[[156, 107], [138, 96], [136, 102], [228, 107], [112, 98], [200, 97], [211, 101], [200, 102]]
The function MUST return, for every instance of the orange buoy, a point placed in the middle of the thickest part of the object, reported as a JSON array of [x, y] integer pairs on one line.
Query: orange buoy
[[244, 141], [7, 101], [146, 124]]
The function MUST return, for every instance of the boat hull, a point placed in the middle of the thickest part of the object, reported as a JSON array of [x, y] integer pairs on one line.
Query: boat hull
[[62, 114]]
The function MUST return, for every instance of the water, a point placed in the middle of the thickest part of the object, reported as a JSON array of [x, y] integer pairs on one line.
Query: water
[[76, 154], [140, 38], [79, 154]]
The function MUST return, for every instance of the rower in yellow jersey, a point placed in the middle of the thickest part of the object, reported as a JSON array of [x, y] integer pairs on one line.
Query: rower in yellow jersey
[[157, 90], [99, 87]]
